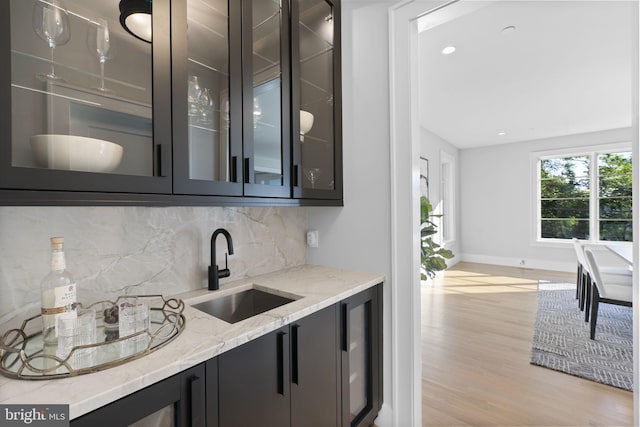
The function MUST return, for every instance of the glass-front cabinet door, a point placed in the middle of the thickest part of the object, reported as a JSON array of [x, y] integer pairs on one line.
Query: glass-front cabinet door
[[207, 88], [361, 358], [83, 107], [316, 122], [266, 108]]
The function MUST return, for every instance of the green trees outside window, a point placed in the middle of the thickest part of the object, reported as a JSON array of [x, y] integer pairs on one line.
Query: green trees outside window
[[586, 196]]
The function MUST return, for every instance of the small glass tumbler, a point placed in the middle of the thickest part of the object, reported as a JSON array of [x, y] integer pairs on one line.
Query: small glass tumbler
[[74, 331], [133, 317]]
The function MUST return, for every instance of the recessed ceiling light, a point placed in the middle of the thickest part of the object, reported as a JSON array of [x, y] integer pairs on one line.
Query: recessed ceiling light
[[509, 29], [448, 50], [502, 133]]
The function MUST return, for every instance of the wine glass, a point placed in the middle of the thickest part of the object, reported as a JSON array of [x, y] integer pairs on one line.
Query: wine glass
[[257, 111], [51, 24], [206, 106], [193, 94], [312, 175], [100, 43]]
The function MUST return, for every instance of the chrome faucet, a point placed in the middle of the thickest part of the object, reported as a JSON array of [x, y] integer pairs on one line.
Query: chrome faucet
[[214, 273]]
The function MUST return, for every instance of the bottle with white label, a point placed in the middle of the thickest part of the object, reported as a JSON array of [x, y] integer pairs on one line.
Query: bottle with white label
[[58, 293]]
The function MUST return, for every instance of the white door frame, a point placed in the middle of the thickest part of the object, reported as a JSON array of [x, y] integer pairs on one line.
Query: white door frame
[[635, 142], [405, 193]]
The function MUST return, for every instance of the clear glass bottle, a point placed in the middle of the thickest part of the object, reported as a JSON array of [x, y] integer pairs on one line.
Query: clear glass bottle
[[58, 293]]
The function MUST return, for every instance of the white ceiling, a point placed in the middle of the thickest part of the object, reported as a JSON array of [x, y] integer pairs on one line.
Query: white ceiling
[[566, 69]]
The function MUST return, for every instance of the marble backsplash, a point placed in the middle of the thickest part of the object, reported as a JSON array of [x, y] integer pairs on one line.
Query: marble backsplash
[[113, 251]]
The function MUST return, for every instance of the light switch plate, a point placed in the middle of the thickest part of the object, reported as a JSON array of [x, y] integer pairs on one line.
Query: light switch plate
[[313, 238]]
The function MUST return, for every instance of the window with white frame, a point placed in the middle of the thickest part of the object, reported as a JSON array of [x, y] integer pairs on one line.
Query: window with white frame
[[585, 194], [447, 182]]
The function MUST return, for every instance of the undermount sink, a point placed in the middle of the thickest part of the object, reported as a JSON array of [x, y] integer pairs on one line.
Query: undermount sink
[[242, 305]]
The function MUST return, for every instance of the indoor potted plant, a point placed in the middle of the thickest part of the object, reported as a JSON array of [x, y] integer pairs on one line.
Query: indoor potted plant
[[432, 255]]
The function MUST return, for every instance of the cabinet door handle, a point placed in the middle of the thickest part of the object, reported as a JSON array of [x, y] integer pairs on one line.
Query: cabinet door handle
[[295, 175], [294, 354], [247, 165], [159, 160], [345, 326], [234, 169], [196, 402], [281, 360]]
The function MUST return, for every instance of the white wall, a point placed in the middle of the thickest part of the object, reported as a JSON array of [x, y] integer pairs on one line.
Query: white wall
[[432, 148], [497, 210], [358, 236]]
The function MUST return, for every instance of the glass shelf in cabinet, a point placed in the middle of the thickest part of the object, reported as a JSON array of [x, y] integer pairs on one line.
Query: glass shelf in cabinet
[[85, 73], [207, 67], [316, 55], [320, 88], [317, 35], [266, 20], [205, 128], [207, 28], [309, 138]]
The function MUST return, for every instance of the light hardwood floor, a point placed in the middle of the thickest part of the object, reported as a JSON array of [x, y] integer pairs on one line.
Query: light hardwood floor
[[477, 324]]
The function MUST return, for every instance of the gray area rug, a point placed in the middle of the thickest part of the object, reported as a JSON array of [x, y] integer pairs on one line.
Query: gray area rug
[[561, 338]]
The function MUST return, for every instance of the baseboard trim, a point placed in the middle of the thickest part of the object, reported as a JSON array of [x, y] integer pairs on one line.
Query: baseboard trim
[[516, 262]]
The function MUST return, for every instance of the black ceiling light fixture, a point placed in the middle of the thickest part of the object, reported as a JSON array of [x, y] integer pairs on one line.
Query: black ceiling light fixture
[[135, 17]]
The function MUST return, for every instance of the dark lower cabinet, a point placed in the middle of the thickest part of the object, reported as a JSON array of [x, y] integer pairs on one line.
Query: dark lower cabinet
[[176, 401], [289, 377], [361, 349], [253, 382], [324, 370], [315, 370], [212, 392]]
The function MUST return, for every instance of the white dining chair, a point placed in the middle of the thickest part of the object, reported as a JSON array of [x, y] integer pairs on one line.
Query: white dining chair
[[609, 289], [582, 276], [583, 288]]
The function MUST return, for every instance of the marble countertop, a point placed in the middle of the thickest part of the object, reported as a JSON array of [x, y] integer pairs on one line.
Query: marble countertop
[[204, 337]]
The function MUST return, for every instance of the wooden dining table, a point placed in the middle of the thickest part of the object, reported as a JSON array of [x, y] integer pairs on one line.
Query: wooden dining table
[[623, 251]]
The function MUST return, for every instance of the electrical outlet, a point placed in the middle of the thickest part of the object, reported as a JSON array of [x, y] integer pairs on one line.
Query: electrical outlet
[[313, 239]]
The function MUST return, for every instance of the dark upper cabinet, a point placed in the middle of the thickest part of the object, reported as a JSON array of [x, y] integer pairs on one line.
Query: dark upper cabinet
[[266, 96], [244, 75], [207, 97], [208, 110], [316, 101], [83, 107], [231, 80]]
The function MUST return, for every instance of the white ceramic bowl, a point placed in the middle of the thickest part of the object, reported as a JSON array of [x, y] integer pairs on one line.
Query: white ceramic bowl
[[76, 153], [306, 122]]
